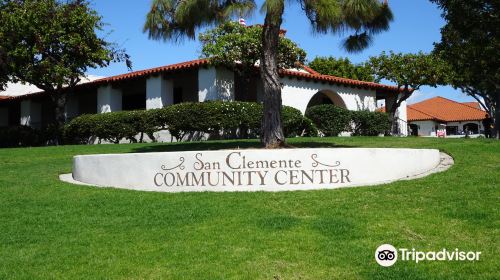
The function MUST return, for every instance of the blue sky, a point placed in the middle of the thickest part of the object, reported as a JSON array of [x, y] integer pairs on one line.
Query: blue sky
[[415, 28]]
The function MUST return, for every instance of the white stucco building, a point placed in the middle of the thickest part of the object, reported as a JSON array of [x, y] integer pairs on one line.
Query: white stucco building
[[192, 81], [443, 117]]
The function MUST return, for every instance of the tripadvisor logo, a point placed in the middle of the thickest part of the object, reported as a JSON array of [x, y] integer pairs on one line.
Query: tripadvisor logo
[[387, 255]]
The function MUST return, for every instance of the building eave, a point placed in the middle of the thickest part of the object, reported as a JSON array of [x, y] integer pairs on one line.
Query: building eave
[[198, 63]]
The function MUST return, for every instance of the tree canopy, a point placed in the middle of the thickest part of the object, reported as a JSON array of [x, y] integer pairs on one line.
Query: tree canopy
[[470, 43], [51, 44], [409, 72], [4, 73], [342, 67], [235, 45]]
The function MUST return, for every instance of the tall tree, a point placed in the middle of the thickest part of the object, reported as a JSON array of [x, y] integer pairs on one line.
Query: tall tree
[[175, 19], [342, 67], [52, 43], [4, 73], [470, 43], [239, 47], [409, 72]]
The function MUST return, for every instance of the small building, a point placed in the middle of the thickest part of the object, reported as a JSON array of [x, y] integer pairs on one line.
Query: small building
[[192, 81], [440, 116]]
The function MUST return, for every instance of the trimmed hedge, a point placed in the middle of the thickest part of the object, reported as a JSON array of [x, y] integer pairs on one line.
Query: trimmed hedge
[[185, 121], [26, 136], [18, 136], [190, 121], [332, 120], [366, 123], [111, 127]]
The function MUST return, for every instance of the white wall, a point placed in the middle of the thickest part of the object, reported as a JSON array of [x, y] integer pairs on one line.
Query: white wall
[[403, 118], [215, 84], [31, 113], [4, 116], [109, 99], [159, 92], [298, 93], [426, 128]]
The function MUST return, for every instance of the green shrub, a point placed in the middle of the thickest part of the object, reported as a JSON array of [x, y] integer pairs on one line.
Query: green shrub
[[19, 136], [310, 128], [329, 119], [185, 121], [111, 127], [366, 123], [81, 130], [227, 120]]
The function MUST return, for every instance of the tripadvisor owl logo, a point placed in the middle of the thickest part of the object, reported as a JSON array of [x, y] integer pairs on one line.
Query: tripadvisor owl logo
[[386, 255]]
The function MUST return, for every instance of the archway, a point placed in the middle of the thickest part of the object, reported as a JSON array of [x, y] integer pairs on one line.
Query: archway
[[472, 128], [326, 97], [413, 129]]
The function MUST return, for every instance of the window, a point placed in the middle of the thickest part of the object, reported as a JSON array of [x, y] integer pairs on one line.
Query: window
[[136, 101], [178, 95], [451, 130], [471, 128]]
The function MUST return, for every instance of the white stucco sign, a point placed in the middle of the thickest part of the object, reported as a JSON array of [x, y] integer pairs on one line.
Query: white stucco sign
[[253, 170]]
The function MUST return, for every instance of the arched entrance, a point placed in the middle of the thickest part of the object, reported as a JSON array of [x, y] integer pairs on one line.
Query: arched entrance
[[326, 97], [472, 128]]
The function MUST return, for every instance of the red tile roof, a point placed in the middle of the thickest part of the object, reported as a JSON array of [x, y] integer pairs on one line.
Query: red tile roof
[[310, 70], [473, 104], [143, 73], [338, 80], [416, 115], [311, 75], [4, 97], [443, 109]]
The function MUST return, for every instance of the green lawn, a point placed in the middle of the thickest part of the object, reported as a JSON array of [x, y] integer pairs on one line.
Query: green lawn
[[50, 229]]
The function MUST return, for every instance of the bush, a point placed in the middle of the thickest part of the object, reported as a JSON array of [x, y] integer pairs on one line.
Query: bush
[[366, 123], [111, 127], [185, 121], [329, 119], [227, 120], [17, 136], [81, 130]]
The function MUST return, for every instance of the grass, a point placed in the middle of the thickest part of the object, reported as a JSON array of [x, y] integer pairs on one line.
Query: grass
[[51, 229]]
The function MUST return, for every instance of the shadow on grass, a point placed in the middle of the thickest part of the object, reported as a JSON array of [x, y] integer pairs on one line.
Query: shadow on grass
[[229, 144]]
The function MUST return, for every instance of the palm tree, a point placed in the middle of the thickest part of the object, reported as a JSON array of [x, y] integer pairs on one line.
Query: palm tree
[[177, 19]]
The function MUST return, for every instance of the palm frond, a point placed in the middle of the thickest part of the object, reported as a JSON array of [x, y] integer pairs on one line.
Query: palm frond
[[176, 19], [381, 20], [357, 42], [362, 17]]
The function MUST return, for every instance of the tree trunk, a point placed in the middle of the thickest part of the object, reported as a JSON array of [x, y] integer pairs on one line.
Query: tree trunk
[[59, 100], [391, 110], [392, 119], [272, 135]]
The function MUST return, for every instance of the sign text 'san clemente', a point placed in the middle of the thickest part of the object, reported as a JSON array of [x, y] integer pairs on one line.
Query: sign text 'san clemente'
[[239, 171]]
